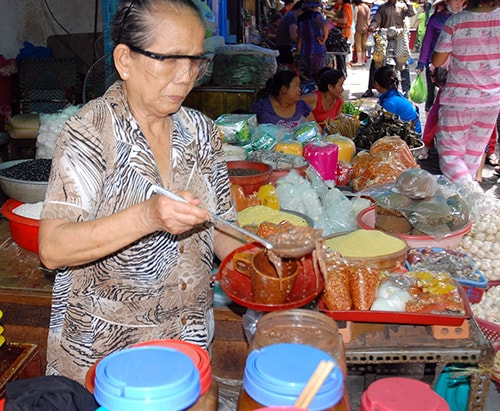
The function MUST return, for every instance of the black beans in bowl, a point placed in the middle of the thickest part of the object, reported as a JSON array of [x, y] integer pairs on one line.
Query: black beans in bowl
[[25, 180]]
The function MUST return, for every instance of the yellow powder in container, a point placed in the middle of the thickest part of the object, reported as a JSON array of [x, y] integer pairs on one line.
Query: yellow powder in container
[[258, 214], [366, 243]]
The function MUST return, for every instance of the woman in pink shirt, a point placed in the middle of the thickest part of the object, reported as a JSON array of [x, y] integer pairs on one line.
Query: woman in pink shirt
[[470, 100]]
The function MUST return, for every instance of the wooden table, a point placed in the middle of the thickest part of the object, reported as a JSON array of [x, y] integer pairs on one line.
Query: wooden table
[[18, 361], [25, 294]]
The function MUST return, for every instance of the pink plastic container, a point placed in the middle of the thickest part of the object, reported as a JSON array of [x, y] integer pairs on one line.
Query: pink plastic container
[[323, 156], [401, 394]]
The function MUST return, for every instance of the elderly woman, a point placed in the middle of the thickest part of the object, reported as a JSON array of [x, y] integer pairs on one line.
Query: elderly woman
[[133, 265]]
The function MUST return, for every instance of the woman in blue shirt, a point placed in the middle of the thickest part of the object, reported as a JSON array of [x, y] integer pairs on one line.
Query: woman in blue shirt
[[386, 83]]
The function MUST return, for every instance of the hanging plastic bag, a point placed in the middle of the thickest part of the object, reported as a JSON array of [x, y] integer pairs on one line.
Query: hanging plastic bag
[[402, 48], [418, 91]]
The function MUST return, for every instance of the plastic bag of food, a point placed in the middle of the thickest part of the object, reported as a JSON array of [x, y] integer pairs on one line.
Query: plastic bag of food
[[265, 136], [243, 65], [306, 131], [417, 183], [236, 128], [363, 284], [446, 211], [387, 159], [336, 294]]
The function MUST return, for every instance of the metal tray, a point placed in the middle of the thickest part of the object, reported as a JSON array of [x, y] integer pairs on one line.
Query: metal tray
[[392, 317]]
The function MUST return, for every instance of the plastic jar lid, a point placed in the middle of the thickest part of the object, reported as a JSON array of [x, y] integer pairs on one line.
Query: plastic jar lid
[[147, 379], [401, 394], [277, 374], [198, 355]]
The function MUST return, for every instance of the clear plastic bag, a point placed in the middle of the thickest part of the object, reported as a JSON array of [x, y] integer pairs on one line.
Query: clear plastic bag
[[244, 65], [236, 128]]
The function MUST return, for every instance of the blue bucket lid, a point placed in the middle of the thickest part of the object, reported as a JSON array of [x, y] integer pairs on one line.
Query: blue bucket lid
[[149, 378], [277, 374]]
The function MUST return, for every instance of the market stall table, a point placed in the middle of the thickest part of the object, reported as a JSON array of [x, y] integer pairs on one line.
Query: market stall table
[[25, 295]]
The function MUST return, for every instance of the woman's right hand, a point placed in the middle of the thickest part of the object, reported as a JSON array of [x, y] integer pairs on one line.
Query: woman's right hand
[[176, 217]]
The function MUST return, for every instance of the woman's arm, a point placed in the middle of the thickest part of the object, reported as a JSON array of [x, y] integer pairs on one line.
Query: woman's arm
[[65, 243], [438, 59], [311, 99], [225, 243]]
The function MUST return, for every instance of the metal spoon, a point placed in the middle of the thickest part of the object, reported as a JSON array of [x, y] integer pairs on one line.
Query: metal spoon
[[286, 251]]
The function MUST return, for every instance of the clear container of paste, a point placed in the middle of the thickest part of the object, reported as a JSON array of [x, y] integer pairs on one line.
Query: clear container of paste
[[302, 326], [276, 375]]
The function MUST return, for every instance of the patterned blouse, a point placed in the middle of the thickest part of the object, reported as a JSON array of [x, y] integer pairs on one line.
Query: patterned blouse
[[157, 287]]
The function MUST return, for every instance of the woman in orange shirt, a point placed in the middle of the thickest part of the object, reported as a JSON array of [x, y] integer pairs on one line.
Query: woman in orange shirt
[[342, 17]]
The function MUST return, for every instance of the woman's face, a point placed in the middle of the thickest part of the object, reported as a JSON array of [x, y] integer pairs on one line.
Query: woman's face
[[292, 93], [456, 5], [158, 88], [338, 89]]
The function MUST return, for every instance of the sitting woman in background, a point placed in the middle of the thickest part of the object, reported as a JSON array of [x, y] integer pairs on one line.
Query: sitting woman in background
[[326, 101], [386, 83], [279, 102]]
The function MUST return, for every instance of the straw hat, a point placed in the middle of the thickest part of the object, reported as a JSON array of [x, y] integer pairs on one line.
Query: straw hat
[[435, 3]]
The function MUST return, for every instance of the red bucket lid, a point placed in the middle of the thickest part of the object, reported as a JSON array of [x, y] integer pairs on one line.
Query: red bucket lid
[[198, 355]]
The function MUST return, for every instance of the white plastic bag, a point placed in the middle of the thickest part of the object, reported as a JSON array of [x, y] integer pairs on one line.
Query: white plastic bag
[[49, 130]]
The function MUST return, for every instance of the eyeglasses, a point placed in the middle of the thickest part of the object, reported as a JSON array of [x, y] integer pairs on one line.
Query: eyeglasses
[[171, 63]]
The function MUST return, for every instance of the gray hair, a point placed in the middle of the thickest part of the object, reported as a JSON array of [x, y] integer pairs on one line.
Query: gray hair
[[135, 22]]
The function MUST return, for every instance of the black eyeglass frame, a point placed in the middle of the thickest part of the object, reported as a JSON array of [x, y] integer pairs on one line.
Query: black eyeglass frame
[[161, 57], [203, 58]]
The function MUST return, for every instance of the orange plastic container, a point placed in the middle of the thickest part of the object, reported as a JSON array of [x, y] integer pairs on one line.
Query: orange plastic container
[[250, 175]]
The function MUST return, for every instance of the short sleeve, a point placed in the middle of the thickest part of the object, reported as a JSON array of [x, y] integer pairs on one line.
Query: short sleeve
[[258, 107], [303, 108], [444, 42]]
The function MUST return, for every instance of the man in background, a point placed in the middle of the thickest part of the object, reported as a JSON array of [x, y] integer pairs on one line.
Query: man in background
[[391, 14]]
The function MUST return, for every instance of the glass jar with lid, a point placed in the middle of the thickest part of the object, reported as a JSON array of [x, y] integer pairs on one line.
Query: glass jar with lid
[[275, 376], [302, 326]]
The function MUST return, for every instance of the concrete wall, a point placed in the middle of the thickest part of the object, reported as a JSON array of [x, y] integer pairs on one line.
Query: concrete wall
[[30, 20]]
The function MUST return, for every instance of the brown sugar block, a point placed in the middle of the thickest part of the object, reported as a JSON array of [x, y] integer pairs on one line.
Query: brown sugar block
[[392, 224]]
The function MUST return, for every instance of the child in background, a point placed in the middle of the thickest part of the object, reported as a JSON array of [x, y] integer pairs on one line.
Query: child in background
[[386, 83]]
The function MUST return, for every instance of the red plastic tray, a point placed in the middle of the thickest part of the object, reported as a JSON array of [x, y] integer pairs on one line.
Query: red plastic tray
[[392, 317], [238, 289]]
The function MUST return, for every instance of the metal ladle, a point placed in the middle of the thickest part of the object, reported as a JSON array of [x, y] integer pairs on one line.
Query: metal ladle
[[285, 250]]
